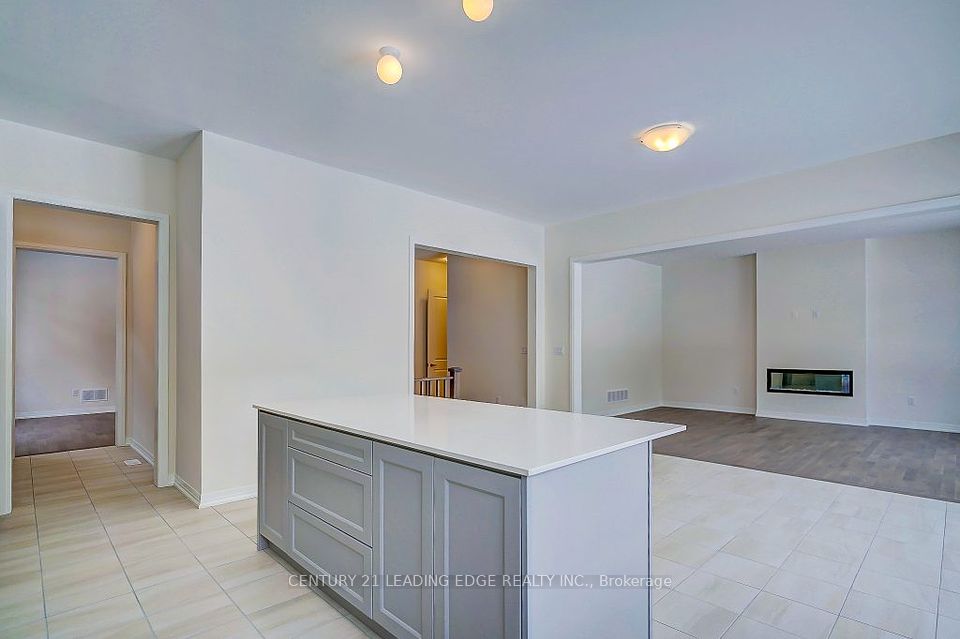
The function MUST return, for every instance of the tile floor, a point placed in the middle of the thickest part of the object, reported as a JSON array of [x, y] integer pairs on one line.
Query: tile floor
[[93, 549], [760, 555]]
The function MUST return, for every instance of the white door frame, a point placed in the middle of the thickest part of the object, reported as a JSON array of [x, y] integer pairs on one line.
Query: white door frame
[[163, 470], [120, 367], [535, 316], [576, 264]]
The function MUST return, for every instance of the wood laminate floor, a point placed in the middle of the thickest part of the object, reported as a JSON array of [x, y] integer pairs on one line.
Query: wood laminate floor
[[900, 460], [58, 434]]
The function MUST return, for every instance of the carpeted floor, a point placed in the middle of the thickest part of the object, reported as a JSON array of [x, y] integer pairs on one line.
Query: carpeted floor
[[912, 462], [56, 434]]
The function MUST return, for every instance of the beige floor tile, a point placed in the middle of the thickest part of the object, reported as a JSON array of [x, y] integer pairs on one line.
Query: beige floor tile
[[948, 628], [889, 615], [246, 570], [294, 618], [117, 617], [84, 582], [213, 537], [186, 522], [155, 570], [745, 571], [21, 599], [341, 628], [683, 553], [850, 629], [692, 616], [177, 592], [746, 628], [765, 552], [197, 616], [238, 629], [226, 552], [791, 616], [718, 591], [899, 590], [661, 631], [33, 630], [153, 546], [263, 593], [807, 590]]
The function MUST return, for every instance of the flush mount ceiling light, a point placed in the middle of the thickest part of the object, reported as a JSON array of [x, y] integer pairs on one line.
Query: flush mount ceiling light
[[389, 69], [666, 137], [478, 10]]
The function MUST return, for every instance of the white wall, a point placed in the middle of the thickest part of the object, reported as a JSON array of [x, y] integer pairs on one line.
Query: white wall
[[306, 287], [709, 334], [65, 326], [487, 329], [913, 310], [812, 313], [622, 335], [905, 174], [189, 390]]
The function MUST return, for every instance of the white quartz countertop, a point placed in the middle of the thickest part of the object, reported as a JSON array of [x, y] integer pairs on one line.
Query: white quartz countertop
[[520, 441]]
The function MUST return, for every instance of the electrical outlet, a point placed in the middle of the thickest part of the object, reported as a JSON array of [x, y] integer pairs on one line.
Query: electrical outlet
[[559, 351], [815, 313], [498, 399], [911, 400], [523, 350]]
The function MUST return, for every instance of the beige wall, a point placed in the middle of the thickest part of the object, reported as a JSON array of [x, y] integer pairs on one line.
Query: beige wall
[[429, 275], [709, 334], [487, 329], [65, 332], [41, 224]]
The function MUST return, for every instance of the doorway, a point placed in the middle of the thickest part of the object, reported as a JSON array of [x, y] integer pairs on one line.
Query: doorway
[[144, 413], [471, 328], [70, 341]]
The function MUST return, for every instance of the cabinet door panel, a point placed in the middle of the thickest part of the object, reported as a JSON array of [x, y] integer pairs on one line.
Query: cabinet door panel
[[272, 480], [340, 448], [403, 539], [327, 552], [477, 532], [338, 495]]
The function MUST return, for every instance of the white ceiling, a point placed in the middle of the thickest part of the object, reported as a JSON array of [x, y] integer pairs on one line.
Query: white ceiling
[[927, 222], [530, 113]]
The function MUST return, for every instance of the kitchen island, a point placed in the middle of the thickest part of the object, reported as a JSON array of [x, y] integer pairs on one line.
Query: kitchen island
[[431, 517]]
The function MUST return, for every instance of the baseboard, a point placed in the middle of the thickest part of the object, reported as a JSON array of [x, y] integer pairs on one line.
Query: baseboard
[[213, 498], [188, 491], [906, 423], [719, 408], [617, 411], [808, 417], [217, 497], [141, 450], [64, 412]]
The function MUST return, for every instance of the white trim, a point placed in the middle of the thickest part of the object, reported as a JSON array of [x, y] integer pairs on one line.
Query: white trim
[[166, 428], [907, 208], [65, 412], [141, 450], [536, 321], [906, 423], [810, 417], [188, 491], [718, 408], [120, 333], [218, 497], [617, 411]]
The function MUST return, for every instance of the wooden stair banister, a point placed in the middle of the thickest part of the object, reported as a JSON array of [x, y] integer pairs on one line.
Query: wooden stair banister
[[448, 386]]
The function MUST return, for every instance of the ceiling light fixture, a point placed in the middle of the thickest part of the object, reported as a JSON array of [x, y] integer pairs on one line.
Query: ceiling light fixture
[[666, 137], [389, 69], [478, 10]]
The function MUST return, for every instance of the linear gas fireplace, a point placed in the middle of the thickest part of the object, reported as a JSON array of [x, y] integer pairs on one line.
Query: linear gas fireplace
[[810, 382]]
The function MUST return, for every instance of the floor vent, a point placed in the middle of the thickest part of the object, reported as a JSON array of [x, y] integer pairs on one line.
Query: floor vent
[[93, 395], [617, 395], [131, 462]]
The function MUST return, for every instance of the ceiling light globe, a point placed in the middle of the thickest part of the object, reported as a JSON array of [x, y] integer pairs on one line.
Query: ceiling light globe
[[478, 10], [666, 137], [389, 69]]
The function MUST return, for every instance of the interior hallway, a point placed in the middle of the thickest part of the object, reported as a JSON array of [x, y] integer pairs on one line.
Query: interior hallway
[[69, 432], [93, 549], [913, 462]]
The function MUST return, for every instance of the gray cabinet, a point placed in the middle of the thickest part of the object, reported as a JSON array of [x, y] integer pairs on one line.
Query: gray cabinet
[[272, 480], [340, 448], [476, 532], [403, 540], [326, 552], [340, 496]]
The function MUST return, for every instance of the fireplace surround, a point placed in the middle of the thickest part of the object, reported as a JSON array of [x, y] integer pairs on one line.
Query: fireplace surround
[[838, 383]]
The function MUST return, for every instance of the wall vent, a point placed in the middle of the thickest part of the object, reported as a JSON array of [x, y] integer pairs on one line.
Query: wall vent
[[93, 395], [619, 395]]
